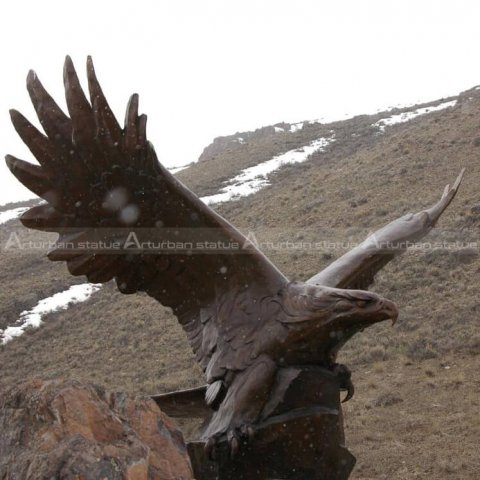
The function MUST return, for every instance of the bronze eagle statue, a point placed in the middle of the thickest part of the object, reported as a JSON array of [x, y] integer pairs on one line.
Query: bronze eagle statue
[[242, 316]]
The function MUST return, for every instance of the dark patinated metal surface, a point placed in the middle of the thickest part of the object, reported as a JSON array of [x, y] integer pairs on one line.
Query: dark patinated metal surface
[[246, 322], [299, 435], [188, 403]]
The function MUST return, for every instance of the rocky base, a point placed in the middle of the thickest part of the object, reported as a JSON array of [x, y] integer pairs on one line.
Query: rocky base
[[67, 430]]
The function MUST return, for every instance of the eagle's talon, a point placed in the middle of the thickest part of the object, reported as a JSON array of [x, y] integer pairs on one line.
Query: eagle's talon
[[236, 437], [233, 442], [247, 432], [211, 448], [344, 375], [350, 391]]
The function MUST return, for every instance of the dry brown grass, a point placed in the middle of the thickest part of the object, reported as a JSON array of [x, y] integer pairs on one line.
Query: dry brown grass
[[415, 426]]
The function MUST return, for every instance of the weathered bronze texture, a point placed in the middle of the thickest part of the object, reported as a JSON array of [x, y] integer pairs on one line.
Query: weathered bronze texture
[[299, 434], [246, 322]]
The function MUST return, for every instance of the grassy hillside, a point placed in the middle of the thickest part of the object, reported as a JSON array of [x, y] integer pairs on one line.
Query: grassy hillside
[[415, 413]]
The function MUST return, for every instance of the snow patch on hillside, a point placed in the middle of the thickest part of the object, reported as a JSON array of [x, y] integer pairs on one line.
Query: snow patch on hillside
[[407, 116], [295, 127], [252, 179], [174, 170], [58, 301], [11, 214]]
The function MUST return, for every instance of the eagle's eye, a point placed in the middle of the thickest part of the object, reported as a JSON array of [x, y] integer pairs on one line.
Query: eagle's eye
[[362, 303]]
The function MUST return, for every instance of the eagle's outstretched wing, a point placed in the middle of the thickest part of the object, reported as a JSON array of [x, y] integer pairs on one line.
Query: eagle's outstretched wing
[[104, 188], [358, 267]]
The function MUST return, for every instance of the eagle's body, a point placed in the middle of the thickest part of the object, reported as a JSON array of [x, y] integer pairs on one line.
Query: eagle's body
[[301, 324], [243, 318]]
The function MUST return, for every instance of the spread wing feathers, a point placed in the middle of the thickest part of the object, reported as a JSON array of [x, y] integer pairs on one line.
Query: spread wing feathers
[[358, 267], [102, 182]]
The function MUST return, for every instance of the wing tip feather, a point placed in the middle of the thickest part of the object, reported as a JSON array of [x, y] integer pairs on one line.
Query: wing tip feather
[[11, 162], [31, 78], [14, 114]]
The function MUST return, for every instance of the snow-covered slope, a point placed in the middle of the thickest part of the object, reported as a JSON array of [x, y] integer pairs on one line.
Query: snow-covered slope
[[11, 214], [58, 301], [252, 179], [410, 115]]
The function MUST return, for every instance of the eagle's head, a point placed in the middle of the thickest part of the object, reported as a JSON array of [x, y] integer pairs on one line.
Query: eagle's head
[[327, 317]]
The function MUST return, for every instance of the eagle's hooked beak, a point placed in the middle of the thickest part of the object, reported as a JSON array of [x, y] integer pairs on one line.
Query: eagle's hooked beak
[[391, 310], [360, 309]]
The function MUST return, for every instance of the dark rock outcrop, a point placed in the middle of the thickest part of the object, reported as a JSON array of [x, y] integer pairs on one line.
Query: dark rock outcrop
[[67, 430], [221, 144]]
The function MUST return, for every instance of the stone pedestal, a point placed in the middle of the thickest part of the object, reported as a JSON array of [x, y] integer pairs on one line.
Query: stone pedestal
[[300, 436]]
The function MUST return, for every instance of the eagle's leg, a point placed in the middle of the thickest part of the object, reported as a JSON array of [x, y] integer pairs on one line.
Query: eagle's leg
[[242, 405], [344, 376]]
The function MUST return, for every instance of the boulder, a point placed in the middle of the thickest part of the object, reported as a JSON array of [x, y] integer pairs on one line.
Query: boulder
[[63, 429]]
